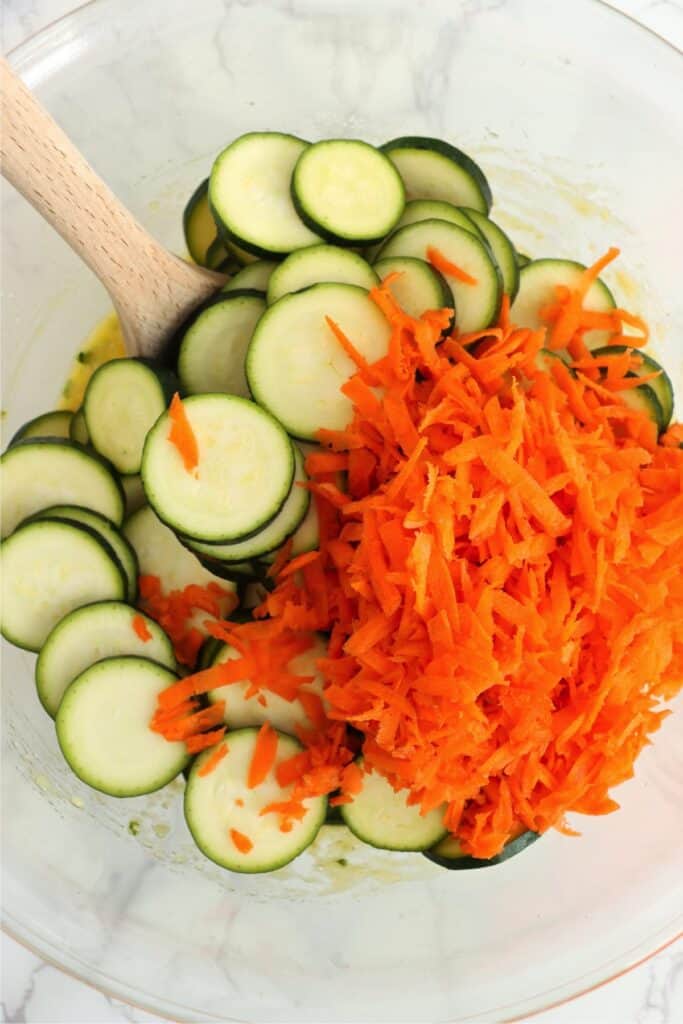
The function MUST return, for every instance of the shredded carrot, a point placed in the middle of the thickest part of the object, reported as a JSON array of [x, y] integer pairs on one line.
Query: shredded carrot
[[204, 740], [181, 434], [263, 758], [175, 609], [444, 266], [241, 842], [501, 585], [213, 760], [141, 629]]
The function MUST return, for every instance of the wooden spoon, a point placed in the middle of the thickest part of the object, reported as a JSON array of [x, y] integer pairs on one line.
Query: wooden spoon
[[153, 291]]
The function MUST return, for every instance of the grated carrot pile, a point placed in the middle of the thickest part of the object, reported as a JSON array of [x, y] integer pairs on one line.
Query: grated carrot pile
[[502, 583], [174, 611]]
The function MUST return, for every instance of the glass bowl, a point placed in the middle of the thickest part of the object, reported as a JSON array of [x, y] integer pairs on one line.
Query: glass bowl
[[575, 114]]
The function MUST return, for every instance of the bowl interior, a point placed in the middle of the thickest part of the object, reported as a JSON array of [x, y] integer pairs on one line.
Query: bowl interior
[[581, 153]]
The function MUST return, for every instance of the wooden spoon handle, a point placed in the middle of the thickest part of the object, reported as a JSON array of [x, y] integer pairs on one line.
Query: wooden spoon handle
[[153, 291]]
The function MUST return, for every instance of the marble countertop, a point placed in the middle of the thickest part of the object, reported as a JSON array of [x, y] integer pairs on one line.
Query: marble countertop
[[37, 993]]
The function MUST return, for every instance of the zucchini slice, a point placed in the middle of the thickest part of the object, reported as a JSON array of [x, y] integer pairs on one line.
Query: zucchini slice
[[50, 424], [103, 728], [380, 816], [435, 209], [78, 430], [347, 191], [249, 193], [89, 634], [288, 519], [419, 287], [661, 385], [134, 493], [295, 364], [49, 471], [224, 814], [477, 305], [198, 224], [433, 169], [537, 283], [320, 264], [214, 346], [109, 534], [124, 398], [254, 277], [449, 854], [523, 260], [286, 716], [245, 471], [502, 249], [49, 568]]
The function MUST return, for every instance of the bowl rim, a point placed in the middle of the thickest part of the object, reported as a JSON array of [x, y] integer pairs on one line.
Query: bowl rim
[[112, 988]]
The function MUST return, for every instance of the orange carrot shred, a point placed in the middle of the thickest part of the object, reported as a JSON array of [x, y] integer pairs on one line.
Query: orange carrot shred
[[213, 760], [263, 758], [241, 842], [444, 266], [141, 629], [181, 434]]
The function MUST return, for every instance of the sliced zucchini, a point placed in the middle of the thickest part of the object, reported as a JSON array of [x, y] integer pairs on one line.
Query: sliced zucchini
[[207, 652], [419, 287], [433, 169], [124, 398], [544, 359], [435, 209], [287, 716], [644, 399], [537, 283], [103, 728], [296, 366], [42, 472], [245, 471], [221, 810], [523, 260], [661, 385], [236, 573], [161, 554], [449, 854], [78, 430], [249, 192], [380, 816], [318, 264], [49, 568], [254, 277], [241, 257], [134, 493], [502, 249], [217, 256], [108, 532], [477, 305], [198, 224], [288, 519], [50, 424], [347, 191], [89, 634], [214, 346]]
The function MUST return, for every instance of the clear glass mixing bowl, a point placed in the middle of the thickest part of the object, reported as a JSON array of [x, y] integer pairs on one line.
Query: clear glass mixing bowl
[[575, 114]]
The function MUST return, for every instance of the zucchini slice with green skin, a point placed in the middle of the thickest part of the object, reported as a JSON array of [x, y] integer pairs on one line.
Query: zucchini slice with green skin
[[661, 385], [305, 538], [220, 807], [477, 305], [236, 573], [134, 493], [198, 224], [249, 193], [537, 283], [295, 364], [108, 532], [78, 430], [254, 277], [207, 652], [347, 191], [523, 260], [449, 854], [123, 400], [214, 346], [49, 471], [49, 568], [436, 209], [320, 264], [160, 553], [502, 249], [103, 728], [380, 816], [50, 424], [89, 634], [217, 256], [419, 287], [544, 359], [644, 399], [433, 169], [286, 716], [245, 471], [272, 536], [241, 257]]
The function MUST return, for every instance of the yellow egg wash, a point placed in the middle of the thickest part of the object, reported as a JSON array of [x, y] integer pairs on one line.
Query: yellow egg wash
[[104, 342]]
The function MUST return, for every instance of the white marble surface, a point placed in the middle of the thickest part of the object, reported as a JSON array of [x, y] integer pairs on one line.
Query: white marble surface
[[33, 991]]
